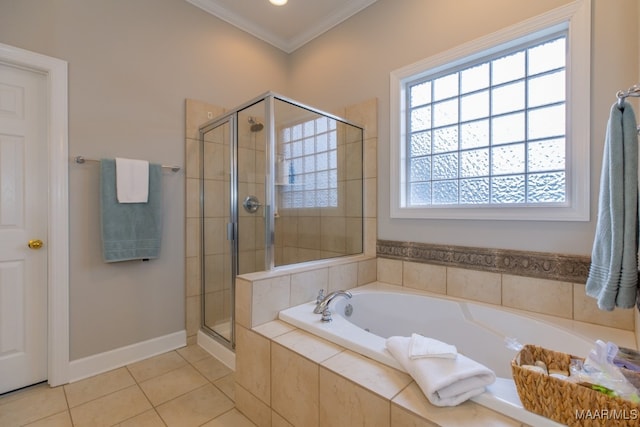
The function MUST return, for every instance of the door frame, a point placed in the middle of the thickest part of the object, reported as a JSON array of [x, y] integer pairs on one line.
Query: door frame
[[57, 243]]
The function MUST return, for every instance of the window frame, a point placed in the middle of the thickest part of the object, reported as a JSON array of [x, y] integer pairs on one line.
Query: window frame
[[575, 19]]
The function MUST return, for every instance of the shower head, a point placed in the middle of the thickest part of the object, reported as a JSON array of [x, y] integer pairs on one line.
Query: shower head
[[255, 125]]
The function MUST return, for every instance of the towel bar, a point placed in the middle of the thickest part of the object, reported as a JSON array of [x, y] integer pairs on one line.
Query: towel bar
[[81, 159]]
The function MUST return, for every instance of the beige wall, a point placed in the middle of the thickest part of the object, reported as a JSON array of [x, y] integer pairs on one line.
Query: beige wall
[[131, 66], [392, 34]]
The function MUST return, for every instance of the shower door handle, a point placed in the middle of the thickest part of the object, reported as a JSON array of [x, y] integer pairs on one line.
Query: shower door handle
[[251, 204], [231, 231]]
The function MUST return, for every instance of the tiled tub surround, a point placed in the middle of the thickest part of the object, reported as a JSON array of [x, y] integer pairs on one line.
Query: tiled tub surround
[[564, 300], [478, 330], [273, 356], [287, 377]]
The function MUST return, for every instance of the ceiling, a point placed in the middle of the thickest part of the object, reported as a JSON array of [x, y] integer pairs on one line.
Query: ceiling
[[286, 27]]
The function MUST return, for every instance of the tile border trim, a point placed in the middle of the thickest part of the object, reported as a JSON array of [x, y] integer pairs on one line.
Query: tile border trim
[[567, 268]]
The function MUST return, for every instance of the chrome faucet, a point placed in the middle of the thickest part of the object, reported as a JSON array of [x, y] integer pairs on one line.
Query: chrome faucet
[[324, 303]]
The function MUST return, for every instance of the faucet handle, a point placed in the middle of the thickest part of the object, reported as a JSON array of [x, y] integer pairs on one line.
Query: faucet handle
[[320, 296], [326, 315]]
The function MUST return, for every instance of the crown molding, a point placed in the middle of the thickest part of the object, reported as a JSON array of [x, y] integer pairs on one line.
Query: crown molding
[[288, 45]]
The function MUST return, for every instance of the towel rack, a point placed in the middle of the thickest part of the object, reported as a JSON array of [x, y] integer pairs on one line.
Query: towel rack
[[633, 91], [81, 159]]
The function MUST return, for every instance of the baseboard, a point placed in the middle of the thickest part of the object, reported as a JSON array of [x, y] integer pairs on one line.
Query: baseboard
[[217, 350], [112, 359]]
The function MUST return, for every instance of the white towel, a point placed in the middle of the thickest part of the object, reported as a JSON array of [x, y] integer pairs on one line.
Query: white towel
[[421, 346], [132, 180], [445, 382]]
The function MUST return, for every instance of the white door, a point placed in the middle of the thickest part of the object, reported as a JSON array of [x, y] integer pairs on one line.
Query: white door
[[23, 218]]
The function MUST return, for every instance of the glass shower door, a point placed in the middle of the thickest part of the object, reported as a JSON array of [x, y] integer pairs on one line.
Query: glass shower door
[[218, 245]]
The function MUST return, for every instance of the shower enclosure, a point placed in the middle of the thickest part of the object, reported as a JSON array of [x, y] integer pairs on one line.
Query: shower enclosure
[[281, 183]]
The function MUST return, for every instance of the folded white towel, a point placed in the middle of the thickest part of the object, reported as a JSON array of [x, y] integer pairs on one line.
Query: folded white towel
[[445, 382], [132, 180], [421, 346]]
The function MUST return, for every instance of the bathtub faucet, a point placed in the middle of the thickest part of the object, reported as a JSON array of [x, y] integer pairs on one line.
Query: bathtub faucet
[[324, 304]]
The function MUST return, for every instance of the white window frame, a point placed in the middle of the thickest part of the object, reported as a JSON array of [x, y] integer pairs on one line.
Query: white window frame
[[576, 18]]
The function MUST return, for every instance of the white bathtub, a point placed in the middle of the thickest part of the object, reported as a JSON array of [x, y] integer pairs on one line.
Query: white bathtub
[[477, 330]]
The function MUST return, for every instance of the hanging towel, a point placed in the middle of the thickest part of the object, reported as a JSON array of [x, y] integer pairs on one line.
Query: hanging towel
[[132, 180], [613, 275], [130, 230], [420, 346], [445, 382]]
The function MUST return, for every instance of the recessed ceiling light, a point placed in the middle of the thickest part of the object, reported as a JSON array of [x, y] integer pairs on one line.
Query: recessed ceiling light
[[278, 2]]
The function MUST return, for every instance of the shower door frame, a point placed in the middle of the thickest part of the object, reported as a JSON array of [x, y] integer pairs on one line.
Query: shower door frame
[[231, 227]]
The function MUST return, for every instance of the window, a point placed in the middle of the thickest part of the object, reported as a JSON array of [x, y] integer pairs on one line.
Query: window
[[308, 165], [491, 133]]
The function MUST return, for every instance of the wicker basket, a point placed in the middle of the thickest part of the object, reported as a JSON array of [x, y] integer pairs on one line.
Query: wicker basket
[[564, 401]]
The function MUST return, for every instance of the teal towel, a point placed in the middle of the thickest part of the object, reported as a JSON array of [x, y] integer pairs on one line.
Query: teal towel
[[130, 230], [613, 276]]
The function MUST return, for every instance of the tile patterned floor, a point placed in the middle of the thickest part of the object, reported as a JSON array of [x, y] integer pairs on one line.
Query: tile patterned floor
[[182, 388]]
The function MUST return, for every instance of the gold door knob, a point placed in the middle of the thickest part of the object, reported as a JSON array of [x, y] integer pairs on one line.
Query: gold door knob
[[35, 244]]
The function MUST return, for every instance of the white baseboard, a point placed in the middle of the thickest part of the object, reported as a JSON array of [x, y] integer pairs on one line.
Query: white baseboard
[[112, 359], [217, 350]]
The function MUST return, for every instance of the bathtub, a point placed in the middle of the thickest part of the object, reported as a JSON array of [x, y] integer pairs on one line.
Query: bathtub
[[378, 311]]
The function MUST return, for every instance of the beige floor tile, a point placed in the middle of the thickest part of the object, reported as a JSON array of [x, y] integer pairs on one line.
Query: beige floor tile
[[31, 405], [228, 386], [146, 419], [100, 385], [172, 384], [63, 419], [188, 386], [111, 409], [158, 365], [193, 353], [195, 408], [233, 418], [212, 368]]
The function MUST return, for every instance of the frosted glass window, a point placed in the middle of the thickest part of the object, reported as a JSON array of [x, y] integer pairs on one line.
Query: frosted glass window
[[474, 106], [311, 157], [474, 78], [445, 113], [445, 166], [421, 118], [474, 163], [445, 139], [421, 94], [421, 168], [474, 191], [490, 132], [474, 134], [507, 98], [420, 144], [508, 68], [445, 87]]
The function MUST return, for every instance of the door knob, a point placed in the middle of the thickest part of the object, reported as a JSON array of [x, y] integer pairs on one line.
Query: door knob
[[35, 244]]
